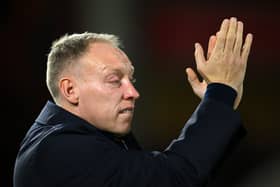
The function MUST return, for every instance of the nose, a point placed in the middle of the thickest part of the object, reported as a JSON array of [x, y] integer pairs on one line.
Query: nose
[[130, 92]]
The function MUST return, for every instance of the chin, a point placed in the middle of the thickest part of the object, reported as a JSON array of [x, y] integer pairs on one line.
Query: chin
[[123, 131]]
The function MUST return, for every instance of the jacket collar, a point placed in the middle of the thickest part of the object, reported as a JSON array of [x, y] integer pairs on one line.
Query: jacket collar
[[53, 114]]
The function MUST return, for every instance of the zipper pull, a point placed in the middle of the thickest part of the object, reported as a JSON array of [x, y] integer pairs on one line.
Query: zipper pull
[[124, 144]]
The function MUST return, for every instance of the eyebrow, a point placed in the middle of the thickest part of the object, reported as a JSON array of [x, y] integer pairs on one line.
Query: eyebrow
[[120, 72]]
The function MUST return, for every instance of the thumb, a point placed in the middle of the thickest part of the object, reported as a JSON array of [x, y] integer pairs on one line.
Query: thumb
[[198, 87], [192, 78]]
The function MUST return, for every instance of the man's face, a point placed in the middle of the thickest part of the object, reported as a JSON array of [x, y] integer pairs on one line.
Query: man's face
[[106, 93]]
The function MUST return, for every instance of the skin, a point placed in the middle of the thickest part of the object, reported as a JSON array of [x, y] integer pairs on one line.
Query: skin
[[101, 90], [226, 60]]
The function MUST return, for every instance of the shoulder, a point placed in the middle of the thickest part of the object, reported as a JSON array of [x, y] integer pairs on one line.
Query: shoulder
[[78, 145], [67, 153]]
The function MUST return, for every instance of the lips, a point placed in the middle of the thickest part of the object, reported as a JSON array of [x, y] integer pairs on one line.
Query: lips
[[126, 110]]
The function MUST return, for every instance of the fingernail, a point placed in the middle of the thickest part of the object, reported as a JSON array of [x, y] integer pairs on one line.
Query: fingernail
[[225, 20]]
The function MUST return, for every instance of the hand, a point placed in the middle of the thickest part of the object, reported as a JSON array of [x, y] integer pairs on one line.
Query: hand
[[199, 87], [226, 59]]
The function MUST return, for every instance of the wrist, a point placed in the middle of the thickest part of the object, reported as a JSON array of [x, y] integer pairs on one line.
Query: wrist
[[222, 93]]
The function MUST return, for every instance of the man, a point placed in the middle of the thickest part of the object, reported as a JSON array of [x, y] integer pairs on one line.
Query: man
[[84, 138]]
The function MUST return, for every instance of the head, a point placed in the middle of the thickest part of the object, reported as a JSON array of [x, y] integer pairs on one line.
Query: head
[[91, 77]]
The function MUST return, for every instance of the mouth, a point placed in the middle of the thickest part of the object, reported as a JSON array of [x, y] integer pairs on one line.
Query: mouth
[[127, 110]]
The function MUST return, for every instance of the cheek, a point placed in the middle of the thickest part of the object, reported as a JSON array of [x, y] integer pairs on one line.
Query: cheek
[[100, 99]]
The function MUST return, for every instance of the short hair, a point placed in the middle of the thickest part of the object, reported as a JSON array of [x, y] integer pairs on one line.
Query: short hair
[[66, 51]]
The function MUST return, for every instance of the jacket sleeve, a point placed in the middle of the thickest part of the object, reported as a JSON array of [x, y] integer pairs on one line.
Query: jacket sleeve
[[204, 142]]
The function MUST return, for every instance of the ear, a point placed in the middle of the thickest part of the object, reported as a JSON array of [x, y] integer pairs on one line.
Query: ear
[[69, 90]]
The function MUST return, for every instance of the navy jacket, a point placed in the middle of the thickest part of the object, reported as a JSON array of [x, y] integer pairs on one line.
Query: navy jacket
[[61, 149]]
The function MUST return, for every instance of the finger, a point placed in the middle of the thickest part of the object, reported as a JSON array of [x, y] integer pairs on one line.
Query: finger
[[239, 38], [192, 78], [231, 35], [199, 55], [221, 36], [211, 45], [246, 47]]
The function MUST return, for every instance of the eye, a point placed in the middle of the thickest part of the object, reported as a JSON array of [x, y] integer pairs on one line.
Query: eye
[[116, 81]]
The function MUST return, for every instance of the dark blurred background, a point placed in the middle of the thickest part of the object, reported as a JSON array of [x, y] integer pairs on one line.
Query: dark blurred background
[[158, 37]]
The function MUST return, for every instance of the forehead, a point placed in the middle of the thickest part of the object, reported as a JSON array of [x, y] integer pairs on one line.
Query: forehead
[[104, 56]]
